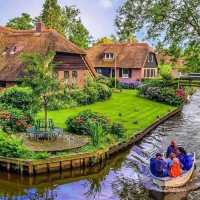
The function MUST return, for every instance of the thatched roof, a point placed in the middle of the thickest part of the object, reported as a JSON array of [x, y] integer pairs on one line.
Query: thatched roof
[[15, 42], [128, 55]]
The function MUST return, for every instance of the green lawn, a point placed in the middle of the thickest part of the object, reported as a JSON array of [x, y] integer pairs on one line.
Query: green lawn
[[134, 112]]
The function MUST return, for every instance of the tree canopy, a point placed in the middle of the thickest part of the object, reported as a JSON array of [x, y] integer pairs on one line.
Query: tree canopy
[[65, 20], [166, 20], [24, 22]]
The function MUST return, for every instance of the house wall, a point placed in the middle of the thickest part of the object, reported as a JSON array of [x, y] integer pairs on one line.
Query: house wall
[[79, 81], [136, 74], [71, 63]]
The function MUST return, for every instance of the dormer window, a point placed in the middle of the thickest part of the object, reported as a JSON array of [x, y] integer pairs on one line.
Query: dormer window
[[108, 56]]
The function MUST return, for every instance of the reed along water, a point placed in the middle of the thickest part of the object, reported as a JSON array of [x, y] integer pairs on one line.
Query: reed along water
[[125, 177]]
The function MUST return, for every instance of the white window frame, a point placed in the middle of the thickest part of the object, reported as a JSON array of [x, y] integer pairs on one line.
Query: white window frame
[[125, 75], [108, 56]]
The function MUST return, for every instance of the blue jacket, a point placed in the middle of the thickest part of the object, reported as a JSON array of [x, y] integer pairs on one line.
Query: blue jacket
[[170, 150], [186, 161]]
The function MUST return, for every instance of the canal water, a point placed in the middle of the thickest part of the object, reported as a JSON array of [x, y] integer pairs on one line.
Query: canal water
[[125, 177]]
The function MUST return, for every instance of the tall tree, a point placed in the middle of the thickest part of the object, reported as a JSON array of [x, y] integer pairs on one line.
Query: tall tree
[[192, 57], [39, 75], [24, 22], [170, 21], [66, 21], [52, 15]]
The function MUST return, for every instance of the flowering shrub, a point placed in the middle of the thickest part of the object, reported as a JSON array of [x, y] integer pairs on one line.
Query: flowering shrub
[[129, 84], [166, 95], [80, 124], [12, 119], [181, 94]]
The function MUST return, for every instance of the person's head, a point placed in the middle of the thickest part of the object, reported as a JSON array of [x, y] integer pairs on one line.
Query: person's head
[[172, 155], [158, 156], [182, 150], [173, 143]]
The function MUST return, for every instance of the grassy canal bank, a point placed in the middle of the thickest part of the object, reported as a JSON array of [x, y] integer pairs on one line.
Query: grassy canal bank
[[126, 107]]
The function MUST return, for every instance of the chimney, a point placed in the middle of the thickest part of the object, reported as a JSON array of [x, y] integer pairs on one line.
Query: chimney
[[39, 27]]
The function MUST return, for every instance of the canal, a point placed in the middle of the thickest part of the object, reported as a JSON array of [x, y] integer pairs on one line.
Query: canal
[[125, 177]]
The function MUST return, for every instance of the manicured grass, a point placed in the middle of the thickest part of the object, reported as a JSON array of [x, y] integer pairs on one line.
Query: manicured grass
[[134, 112]]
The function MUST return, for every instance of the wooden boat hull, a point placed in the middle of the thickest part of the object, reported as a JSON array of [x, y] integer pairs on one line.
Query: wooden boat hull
[[175, 182]]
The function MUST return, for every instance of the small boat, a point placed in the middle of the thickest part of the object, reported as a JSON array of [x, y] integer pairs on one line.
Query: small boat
[[175, 182]]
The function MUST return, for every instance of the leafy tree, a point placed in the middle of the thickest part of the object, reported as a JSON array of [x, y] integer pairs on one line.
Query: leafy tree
[[51, 15], [166, 71], [39, 75], [24, 22], [170, 21], [79, 35], [66, 21], [192, 57], [104, 40]]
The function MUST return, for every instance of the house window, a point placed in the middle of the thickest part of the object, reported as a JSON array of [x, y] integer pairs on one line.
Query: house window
[[74, 74], [149, 73], [66, 75], [125, 73], [108, 56], [99, 70]]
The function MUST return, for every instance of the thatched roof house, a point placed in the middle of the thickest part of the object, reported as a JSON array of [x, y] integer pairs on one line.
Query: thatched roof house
[[132, 61], [72, 63]]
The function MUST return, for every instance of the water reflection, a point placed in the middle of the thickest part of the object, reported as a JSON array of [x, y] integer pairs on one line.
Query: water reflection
[[125, 177]]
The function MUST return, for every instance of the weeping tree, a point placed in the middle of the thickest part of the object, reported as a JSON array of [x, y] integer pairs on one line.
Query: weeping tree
[[40, 76]]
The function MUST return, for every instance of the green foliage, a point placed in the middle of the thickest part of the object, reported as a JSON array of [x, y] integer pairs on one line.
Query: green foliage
[[24, 22], [40, 76], [13, 119], [11, 146], [21, 98], [80, 124], [96, 131], [66, 21], [167, 20], [165, 95], [118, 130], [166, 71], [104, 92], [52, 15], [104, 40], [192, 57]]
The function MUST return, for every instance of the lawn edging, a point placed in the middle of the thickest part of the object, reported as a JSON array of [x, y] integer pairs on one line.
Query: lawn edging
[[78, 160]]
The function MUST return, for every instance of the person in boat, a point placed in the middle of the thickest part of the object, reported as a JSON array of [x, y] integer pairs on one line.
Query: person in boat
[[175, 166], [172, 148], [185, 159], [158, 166]]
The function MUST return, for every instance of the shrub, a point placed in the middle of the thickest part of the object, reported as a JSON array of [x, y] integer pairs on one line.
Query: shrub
[[11, 146], [118, 130], [166, 95], [97, 132], [13, 119], [80, 97], [80, 124], [104, 92], [21, 98], [92, 94], [166, 71]]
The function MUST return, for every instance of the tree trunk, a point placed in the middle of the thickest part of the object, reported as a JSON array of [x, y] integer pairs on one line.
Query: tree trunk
[[45, 113]]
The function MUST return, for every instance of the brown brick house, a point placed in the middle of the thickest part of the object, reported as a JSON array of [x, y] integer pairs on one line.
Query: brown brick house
[[131, 61], [71, 63]]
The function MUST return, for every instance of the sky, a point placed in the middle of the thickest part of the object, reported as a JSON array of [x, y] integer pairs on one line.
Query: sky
[[97, 15]]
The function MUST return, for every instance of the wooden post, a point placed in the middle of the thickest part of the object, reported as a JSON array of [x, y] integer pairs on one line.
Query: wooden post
[[8, 167], [30, 170]]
